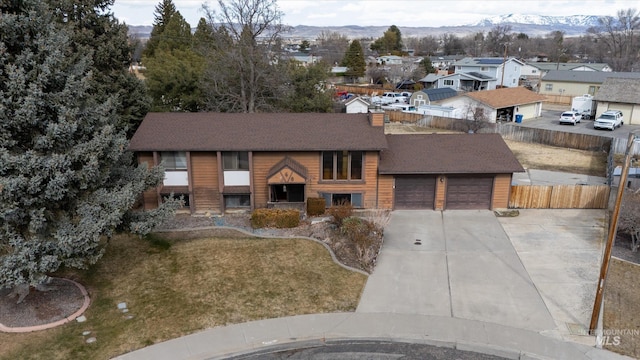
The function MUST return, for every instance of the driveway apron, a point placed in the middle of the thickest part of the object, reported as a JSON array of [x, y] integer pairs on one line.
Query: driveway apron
[[453, 263]]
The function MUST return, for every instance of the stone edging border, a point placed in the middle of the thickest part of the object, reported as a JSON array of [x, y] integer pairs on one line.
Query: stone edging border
[[333, 255], [69, 318]]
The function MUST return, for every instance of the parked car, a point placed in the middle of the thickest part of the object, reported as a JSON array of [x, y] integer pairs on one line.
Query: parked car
[[609, 119], [395, 97], [570, 117]]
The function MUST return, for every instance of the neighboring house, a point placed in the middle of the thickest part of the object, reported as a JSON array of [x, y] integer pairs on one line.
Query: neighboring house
[[471, 81], [499, 104], [506, 71], [429, 96], [430, 81], [545, 67], [576, 83], [357, 105], [221, 162], [389, 60], [620, 94], [444, 62], [305, 59]]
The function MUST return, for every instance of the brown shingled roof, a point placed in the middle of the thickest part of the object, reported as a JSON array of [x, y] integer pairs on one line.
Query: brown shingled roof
[[448, 154], [257, 132], [504, 97]]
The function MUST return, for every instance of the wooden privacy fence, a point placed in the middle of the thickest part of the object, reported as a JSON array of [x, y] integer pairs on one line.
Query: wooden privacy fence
[[554, 138], [559, 197]]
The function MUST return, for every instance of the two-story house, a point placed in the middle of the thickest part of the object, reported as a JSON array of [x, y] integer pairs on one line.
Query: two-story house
[[221, 161], [506, 71]]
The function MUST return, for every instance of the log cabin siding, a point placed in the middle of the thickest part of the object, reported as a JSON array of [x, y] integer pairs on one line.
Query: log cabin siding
[[385, 191], [204, 172], [264, 161], [501, 191], [441, 192], [149, 197]]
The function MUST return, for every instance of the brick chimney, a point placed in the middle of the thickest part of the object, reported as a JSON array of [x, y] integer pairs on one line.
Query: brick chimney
[[376, 117]]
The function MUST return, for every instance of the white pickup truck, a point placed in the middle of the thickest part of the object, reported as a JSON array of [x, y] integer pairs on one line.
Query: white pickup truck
[[390, 98]]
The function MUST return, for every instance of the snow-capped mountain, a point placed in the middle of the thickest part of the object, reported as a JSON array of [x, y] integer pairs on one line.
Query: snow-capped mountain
[[532, 25], [572, 20]]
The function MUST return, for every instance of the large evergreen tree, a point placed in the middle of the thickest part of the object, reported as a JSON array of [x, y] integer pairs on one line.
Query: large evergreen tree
[[174, 71], [95, 32], [390, 42], [163, 14], [307, 88], [354, 61], [66, 180]]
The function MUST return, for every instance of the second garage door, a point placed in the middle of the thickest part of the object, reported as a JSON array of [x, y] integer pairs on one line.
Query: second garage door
[[415, 192], [469, 192]]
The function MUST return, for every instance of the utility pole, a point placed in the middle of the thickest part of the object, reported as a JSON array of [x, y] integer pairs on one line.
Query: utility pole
[[504, 64], [613, 228]]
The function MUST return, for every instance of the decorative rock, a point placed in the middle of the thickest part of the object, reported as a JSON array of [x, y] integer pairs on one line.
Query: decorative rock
[[81, 319], [91, 340], [122, 306], [85, 333]]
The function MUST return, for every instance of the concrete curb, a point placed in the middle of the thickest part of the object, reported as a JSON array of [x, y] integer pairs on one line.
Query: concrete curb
[[83, 308], [314, 330]]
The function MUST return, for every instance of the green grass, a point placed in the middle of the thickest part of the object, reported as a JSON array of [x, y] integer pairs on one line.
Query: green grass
[[173, 288]]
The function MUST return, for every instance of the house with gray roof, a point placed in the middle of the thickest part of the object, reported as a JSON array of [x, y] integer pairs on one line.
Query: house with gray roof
[[575, 83], [471, 81], [222, 162], [506, 71], [620, 94]]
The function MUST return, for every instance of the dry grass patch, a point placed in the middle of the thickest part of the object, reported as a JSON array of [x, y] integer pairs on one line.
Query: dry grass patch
[[544, 157], [176, 288]]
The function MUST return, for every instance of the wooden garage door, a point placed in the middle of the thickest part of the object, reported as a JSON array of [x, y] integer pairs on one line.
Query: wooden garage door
[[415, 192], [469, 192]]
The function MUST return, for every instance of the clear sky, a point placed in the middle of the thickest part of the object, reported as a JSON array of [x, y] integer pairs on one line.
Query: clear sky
[[386, 12]]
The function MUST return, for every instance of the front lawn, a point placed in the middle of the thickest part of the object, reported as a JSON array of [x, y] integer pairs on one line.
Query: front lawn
[[173, 288]]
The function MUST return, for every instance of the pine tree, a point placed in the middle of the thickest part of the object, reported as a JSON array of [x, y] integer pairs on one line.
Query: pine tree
[[163, 14], [175, 70], [66, 182], [354, 61], [95, 32]]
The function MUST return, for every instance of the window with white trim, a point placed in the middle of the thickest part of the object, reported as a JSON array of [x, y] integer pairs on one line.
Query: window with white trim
[[174, 160]]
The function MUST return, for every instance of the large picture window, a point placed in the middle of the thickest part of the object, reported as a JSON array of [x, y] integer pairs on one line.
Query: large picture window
[[174, 160], [235, 160], [342, 165]]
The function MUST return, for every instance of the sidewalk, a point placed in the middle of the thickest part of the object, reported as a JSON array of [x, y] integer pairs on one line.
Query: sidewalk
[[469, 335]]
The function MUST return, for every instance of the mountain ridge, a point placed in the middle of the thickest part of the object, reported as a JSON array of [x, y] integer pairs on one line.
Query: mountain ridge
[[532, 25]]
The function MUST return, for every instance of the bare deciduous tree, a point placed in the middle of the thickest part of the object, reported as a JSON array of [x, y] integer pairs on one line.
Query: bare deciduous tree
[[617, 36], [240, 76], [332, 46]]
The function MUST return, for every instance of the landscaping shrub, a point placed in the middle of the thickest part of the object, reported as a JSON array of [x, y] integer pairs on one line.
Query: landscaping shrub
[[277, 218], [340, 212], [315, 206], [366, 237]]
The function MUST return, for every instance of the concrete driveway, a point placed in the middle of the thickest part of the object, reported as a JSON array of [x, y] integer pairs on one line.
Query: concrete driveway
[[536, 271]]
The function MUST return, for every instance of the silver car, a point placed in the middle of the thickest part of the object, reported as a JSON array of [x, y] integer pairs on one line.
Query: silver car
[[570, 117]]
